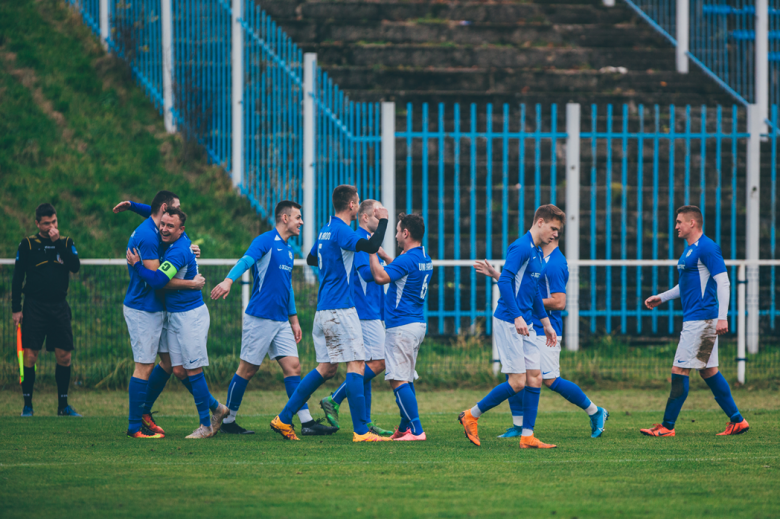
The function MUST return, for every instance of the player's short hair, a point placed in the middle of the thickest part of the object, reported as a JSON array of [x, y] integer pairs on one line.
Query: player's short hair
[[413, 223], [163, 197], [366, 207], [342, 196], [692, 212], [284, 207], [44, 210], [175, 211], [549, 212]]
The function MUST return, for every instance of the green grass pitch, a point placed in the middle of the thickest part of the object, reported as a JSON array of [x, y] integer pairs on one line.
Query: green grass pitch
[[66, 467]]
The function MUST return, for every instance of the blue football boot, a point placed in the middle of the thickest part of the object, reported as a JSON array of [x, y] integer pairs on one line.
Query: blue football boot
[[68, 411], [512, 432], [597, 422], [27, 411]]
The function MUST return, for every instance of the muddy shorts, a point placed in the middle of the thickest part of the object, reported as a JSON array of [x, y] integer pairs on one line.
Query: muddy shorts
[[338, 336], [402, 344], [698, 348]]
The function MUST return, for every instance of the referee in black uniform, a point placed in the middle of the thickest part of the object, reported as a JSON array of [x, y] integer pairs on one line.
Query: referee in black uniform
[[47, 260]]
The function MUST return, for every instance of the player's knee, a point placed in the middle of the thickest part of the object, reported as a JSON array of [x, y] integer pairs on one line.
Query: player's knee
[[179, 372], [708, 372], [291, 366], [328, 370], [30, 356], [165, 363], [377, 366], [549, 381], [516, 382], [63, 357]]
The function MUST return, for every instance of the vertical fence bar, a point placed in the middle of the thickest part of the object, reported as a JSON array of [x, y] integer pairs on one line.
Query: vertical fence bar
[[741, 324], [105, 31], [166, 19], [246, 286], [388, 174], [762, 64], [573, 225], [309, 178], [752, 221], [682, 36], [237, 93]]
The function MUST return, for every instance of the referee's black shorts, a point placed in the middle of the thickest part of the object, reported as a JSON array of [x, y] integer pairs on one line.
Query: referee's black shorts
[[50, 322]]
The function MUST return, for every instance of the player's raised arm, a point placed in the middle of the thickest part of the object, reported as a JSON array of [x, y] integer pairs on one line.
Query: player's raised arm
[[484, 267], [223, 289], [373, 244], [139, 209], [380, 277]]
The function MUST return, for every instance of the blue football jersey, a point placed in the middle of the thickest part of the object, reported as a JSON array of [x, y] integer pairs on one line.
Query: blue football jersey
[[272, 274], [554, 279], [523, 269], [409, 276], [180, 257], [369, 298], [700, 262], [335, 252], [146, 241]]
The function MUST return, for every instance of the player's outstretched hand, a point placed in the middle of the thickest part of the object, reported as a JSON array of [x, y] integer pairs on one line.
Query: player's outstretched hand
[[199, 281], [132, 256], [380, 212], [521, 327], [122, 206], [653, 301], [484, 267], [722, 327], [222, 290], [552, 337], [195, 250]]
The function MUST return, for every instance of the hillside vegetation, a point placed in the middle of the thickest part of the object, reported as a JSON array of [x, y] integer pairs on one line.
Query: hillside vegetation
[[77, 131]]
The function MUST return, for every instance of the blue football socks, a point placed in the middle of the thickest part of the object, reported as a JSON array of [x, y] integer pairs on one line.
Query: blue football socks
[[137, 396], [676, 400], [340, 394], [368, 376], [497, 395], [200, 391], [236, 392], [290, 385], [571, 392], [301, 395], [404, 425], [530, 408], [407, 403], [186, 383], [720, 388], [157, 381], [357, 403]]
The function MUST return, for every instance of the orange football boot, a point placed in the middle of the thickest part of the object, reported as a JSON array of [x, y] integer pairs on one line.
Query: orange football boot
[[149, 423], [531, 442], [735, 428], [398, 433], [469, 424], [368, 437], [287, 431], [140, 434], [657, 430]]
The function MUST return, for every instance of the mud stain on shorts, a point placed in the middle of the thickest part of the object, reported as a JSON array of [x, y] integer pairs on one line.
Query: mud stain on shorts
[[334, 336], [707, 342]]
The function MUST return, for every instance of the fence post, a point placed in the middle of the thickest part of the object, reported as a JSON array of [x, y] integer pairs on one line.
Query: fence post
[[608, 3], [572, 229], [245, 284], [166, 19], [388, 174], [495, 296], [237, 94], [105, 33], [752, 189], [309, 182], [741, 324], [762, 63], [683, 35]]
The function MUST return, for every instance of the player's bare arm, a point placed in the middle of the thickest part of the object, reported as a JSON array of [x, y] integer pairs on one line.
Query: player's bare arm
[[484, 267], [122, 206], [296, 328], [222, 290], [556, 301], [197, 283], [377, 271]]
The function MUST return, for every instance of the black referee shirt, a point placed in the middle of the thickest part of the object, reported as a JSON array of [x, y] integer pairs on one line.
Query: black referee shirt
[[47, 266]]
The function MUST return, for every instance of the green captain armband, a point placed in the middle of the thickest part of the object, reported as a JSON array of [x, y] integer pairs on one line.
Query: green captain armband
[[168, 269]]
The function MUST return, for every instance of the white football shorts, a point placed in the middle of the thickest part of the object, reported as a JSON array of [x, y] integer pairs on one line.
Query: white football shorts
[[338, 336], [145, 329], [517, 353], [402, 344], [261, 337], [373, 338], [550, 358], [187, 336], [698, 347]]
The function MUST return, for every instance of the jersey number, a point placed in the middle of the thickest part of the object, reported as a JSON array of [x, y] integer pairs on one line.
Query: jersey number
[[319, 257], [424, 287]]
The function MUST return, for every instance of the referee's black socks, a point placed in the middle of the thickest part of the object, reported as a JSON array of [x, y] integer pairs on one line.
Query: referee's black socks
[[62, 376], [27, 385]]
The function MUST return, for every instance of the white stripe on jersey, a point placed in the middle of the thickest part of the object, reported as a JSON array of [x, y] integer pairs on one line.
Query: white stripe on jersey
[[400, 284], [347, 256], [519, 276], [262, 267], [704, 276]]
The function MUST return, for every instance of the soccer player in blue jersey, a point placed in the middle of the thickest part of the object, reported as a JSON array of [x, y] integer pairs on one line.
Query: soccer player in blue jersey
[[514, 330], [270, 324], [704, 290], [553, 287], [408, 276], [144, 312], [338, 337], [188, 316], [162, 371], [369, 298]]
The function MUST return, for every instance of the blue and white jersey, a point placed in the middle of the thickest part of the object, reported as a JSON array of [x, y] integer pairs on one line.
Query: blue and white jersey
[[369, 298], [146, 241], [523, 271], [272, 274], [335, 252], [409, 276], [554, 279], [700, 262], [180, 259]]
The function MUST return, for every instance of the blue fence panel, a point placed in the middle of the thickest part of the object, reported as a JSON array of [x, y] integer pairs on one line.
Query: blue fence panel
[[90, 13], [273, 114], [661, 14]]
